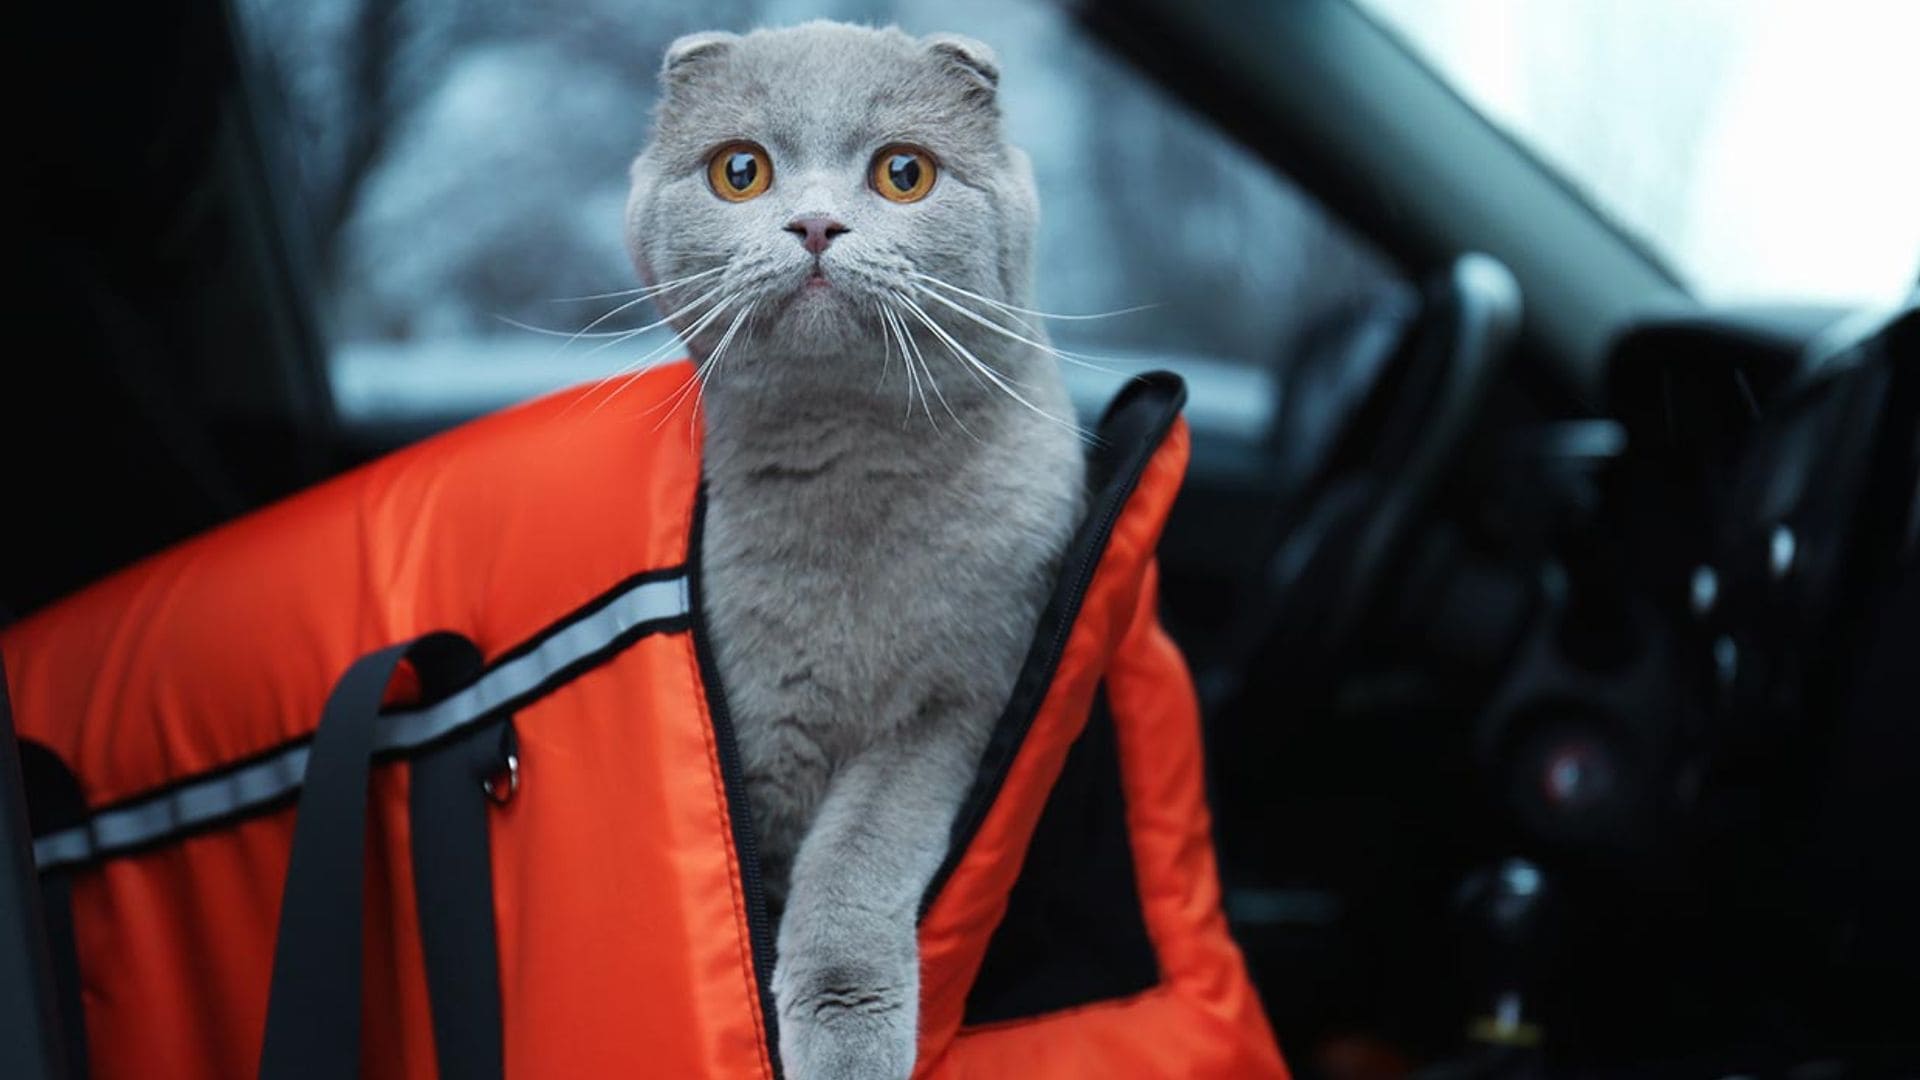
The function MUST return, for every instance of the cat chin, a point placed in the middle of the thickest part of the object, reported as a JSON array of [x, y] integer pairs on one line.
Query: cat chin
[[824, 318]]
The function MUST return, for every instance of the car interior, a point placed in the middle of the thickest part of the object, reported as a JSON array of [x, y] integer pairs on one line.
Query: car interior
[[1555, 627]]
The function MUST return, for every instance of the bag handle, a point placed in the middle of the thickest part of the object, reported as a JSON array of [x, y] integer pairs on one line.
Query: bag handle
[[313, 1007], [451, 790]]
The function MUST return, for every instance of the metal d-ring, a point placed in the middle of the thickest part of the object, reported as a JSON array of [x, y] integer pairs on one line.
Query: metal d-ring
[[491, 785], [510, 764]]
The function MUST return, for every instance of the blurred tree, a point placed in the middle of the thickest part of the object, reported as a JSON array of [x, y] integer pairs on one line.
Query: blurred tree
[[466, 159]]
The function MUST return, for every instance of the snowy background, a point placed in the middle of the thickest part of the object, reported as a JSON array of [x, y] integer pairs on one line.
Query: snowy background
[[462, 162]]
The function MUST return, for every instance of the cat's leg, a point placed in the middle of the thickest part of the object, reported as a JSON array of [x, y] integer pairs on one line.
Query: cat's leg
[[848, 980]]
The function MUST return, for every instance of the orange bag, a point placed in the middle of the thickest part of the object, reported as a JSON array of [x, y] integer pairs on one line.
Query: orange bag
[[558, 869]]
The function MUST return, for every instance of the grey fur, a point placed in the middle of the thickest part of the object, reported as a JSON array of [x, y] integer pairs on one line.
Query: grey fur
[[872, 581]]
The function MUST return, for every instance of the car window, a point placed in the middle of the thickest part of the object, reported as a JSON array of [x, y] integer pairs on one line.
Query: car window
[[1765, 148], [462, 168]]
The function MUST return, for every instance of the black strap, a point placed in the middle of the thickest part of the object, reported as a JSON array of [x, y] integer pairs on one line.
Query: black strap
[[313, 1011], [56, 893], [32, 1045], [55, 803], [453, 890]]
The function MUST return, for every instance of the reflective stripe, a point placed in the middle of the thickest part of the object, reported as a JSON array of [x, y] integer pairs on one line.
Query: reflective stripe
[[651, 602], [278, 775]]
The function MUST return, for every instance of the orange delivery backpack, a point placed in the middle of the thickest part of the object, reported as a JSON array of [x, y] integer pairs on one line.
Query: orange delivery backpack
[[426, 771]]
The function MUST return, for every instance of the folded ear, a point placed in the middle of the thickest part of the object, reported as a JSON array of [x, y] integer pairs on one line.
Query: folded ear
[[689, 51], [967, 56]]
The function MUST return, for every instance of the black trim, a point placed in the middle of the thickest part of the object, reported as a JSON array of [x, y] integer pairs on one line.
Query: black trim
[[587, 610], [746, 841], [672, 624], [190, 779], [1130, 433], [1073, 932], [553, 683], [100, 855], [453, 894], [313, 1006]]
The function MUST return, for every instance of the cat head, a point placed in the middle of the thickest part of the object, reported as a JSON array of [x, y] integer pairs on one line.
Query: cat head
[[815, 173]]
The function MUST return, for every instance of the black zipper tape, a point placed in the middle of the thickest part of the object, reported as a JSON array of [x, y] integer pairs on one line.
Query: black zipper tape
[[746, 840], [1130, 433]]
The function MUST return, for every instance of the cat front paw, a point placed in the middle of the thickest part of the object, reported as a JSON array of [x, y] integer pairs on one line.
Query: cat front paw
[[847, 1022]]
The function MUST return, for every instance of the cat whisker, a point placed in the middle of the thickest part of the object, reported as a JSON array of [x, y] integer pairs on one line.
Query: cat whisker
[[656, 324], [971, 373], [615, 336], [1003, 376], [611, 294], [886, 342], [726, 339], [683, 339], [711, 318], [649, 290], [962, 352], [704, 371], [913, 390], [906, 358], [632, 371], [927, 368], [585, 331], [626, 372], [1016, 309], [926, 406], [570, 335], [1054, 351], [913, 356], [1029, 327], [689, 307], [934, 382]]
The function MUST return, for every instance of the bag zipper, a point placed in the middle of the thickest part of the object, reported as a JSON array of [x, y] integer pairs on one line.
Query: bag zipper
[[746, 839], [1010, 731], [1157, 396]]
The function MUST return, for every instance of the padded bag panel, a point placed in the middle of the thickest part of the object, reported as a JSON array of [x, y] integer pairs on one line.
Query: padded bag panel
[[226, 646], [1203, 1019], [621, 906], [224, 649]]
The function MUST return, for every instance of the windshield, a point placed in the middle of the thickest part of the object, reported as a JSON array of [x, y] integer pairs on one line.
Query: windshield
[[1766, 149]]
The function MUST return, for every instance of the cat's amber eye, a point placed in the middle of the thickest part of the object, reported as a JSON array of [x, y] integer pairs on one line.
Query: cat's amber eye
[[739, 171], [903, 173]]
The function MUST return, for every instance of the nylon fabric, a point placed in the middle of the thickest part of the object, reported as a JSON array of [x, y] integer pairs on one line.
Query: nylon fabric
[[622, 907]]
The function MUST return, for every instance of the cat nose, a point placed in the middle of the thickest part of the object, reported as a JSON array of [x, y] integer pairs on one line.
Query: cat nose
[[815, 232]]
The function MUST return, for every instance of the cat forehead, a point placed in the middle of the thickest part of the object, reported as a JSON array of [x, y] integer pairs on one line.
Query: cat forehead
[[827, 89]]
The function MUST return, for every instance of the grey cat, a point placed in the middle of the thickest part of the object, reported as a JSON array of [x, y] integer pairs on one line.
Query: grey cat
[[887, 502]]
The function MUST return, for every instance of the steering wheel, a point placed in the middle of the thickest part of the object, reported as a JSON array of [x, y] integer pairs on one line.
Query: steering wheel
[[1352, 513]]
